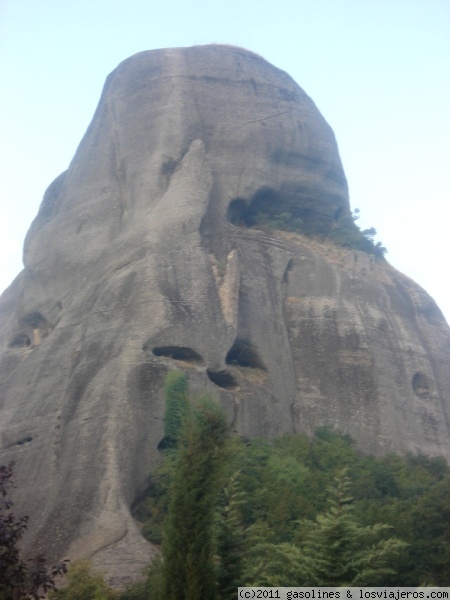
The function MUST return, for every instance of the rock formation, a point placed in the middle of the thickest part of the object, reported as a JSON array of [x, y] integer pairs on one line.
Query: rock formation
[[144, 258]]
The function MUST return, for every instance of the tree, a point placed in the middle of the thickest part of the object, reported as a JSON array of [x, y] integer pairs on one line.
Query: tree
[[230, 541], [188, 549], [347, 233], [277, 518], [19, 579], [152, 509], [430, 530], [331, 550], [339, 551], [84, 584], [176, 394]]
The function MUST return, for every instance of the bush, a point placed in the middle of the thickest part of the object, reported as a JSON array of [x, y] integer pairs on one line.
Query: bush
[[84, 584], [346, 233], [285, 220]]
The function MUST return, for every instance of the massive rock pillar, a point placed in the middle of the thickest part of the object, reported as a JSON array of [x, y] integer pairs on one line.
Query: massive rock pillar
[[144, 257]]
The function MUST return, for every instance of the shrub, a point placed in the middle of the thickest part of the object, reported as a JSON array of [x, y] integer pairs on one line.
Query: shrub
[[84, 584], [346, 233]]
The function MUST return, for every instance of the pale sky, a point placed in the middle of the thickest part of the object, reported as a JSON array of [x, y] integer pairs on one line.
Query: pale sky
[[378, 70]]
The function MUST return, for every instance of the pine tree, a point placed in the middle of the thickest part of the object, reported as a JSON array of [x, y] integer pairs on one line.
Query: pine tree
[[268, 564], [339, 551], [332, 550]]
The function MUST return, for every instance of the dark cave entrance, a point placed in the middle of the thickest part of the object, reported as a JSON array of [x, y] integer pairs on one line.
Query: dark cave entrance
[[289, 210], [181, 353], [244, 354], [222, 379]]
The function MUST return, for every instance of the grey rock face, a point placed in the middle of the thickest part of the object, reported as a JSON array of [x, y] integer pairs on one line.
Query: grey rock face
[[142, 259]]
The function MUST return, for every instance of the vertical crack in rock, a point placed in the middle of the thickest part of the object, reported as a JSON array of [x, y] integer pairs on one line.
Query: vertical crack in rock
[[226, 276]]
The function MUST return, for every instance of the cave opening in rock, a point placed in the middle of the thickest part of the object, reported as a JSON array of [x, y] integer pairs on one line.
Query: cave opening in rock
[[222, 379], [421, 385], [340, 213], [25, 440], [262, 209], [288, 269], [244, 354], [236, 212], [288, 209], [34, 320], [20, 341], [178, 353]]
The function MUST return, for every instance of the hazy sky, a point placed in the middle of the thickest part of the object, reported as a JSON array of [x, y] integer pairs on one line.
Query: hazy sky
[[378, 70]]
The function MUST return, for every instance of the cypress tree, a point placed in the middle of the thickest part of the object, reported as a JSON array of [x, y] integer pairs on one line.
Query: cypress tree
[[188, 547], [176, 395]]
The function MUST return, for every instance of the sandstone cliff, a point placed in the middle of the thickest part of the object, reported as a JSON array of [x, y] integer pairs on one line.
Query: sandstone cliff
[[142, 259]]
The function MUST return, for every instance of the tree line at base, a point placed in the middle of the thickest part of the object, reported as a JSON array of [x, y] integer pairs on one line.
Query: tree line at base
[[297, 512]]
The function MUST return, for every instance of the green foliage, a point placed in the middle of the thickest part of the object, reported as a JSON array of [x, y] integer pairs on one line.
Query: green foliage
[[268, 563], [346, 233], [229, 538], [188, 569], [84, 584], [152, 509], [137, 591], [176, 394], [339, 551], [429, 534], [150, 588], [331, 550], [284, 220], [278, 517]]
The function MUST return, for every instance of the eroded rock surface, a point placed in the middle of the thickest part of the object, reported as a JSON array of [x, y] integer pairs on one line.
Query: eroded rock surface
[[143, 258]]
